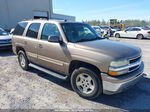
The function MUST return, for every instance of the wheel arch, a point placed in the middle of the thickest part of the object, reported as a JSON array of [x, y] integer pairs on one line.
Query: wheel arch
[[139, 34], [75, 64], [117, 34], [18, 48]]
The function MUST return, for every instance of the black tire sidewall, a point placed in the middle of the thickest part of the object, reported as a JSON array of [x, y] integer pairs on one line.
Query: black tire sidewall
[[117, 35], [141, 36], [97, 79], [26, 67]]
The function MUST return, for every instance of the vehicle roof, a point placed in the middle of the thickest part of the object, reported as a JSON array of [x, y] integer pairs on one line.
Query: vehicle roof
[[51, 20]]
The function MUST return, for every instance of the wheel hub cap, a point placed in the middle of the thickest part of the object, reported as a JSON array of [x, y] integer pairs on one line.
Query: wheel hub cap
[[85, 83], [22, 60]]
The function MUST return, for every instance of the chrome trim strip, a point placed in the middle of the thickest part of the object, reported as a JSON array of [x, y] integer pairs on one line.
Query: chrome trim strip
[[50, 60], [125, 67], [3, 45], [32, 54]]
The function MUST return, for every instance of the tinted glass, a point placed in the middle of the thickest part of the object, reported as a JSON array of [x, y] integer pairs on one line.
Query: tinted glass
[[78, 32], [128, 29], [20, 28], [146, 28], [3, 32], [49, 30], [33, 30], [136, 29]]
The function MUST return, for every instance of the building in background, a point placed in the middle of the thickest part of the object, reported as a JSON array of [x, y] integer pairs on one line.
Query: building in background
[[13, 11]]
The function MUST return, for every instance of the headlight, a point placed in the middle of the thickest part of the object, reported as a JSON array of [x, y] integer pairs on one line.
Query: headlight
[[119, 63]]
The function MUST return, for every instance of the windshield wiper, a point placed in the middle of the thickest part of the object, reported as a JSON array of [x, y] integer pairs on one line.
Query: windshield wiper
[[84, 40]]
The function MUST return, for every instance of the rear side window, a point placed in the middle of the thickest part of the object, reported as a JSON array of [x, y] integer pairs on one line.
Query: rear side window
[[20, 28], [49, 30], [136, 29], [33, 30]]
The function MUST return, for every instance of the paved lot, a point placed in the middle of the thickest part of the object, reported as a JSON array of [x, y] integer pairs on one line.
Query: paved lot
[[36, 90]]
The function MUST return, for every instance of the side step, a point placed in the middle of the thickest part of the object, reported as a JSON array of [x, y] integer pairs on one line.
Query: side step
[[48, 72]]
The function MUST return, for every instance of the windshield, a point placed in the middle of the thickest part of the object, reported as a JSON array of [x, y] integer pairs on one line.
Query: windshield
[[2, 32], [79, 32]]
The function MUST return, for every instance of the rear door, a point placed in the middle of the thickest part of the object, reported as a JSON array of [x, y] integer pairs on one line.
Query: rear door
[[133, 32], [51, 55], [31, 41]]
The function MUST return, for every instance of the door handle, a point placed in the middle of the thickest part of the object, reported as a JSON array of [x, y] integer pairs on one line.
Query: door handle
[[40, 46]]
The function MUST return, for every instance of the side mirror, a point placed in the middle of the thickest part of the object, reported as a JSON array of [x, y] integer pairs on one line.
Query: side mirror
[[54, 39]]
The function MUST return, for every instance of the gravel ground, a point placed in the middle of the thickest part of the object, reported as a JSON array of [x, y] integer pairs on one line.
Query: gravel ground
[[36, 90]]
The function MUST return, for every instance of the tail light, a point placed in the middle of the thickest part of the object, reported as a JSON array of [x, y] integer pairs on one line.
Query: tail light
[[148, 32]]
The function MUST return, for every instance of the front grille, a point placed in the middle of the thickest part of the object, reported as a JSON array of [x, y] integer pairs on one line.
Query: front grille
[[5, 41], [136, 62]]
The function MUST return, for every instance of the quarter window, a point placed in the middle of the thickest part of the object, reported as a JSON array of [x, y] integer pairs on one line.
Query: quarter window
[[19, 30], [33, 30], [49, 30]]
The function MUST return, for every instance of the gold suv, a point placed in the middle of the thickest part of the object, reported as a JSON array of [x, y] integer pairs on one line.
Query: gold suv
[[74, 51]]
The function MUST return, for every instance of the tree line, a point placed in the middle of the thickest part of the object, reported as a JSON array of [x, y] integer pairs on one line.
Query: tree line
[[126, 22]]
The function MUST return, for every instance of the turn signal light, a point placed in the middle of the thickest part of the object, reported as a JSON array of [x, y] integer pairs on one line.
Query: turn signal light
[[113, 73]]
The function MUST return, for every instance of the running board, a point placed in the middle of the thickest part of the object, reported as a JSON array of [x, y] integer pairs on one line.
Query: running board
[[48, 72]]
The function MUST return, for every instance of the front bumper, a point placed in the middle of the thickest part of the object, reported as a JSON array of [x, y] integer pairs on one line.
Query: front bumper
[[113, 85], [6, 46]]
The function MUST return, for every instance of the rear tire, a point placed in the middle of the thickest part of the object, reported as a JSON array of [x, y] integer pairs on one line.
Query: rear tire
[[86, 83], [140, 36], [23, 60], [117, 35]]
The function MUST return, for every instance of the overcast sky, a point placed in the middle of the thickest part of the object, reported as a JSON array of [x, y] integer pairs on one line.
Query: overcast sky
[[104, 9]]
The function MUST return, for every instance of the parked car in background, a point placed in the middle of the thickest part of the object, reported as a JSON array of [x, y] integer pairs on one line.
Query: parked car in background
[[74, 51], [134, 32], [114, 29], [104, 31], [5, 39], [97, 29]]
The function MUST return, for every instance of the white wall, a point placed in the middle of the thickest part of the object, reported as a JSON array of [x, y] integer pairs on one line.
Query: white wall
[[13, 11], [63, 17]]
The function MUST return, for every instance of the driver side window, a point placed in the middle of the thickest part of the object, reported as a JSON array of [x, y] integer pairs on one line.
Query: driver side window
[[49, 30], [129, 29]]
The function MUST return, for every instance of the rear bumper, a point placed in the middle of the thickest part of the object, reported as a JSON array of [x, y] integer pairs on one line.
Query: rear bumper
[[112, 85], [147, 36]]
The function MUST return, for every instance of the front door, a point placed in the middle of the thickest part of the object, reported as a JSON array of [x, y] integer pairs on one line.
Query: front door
[[51, 55]]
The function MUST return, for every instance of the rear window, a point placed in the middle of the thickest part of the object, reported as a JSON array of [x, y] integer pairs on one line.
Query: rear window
[[146, 28], [19, 30], [33, 30]]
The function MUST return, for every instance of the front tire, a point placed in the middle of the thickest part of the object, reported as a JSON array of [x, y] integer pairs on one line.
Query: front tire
[[86, 83], [117, 35], [23, 60]]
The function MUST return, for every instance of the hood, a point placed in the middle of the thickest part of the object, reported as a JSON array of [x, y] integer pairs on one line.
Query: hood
[[114, 49], [6, 37]]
